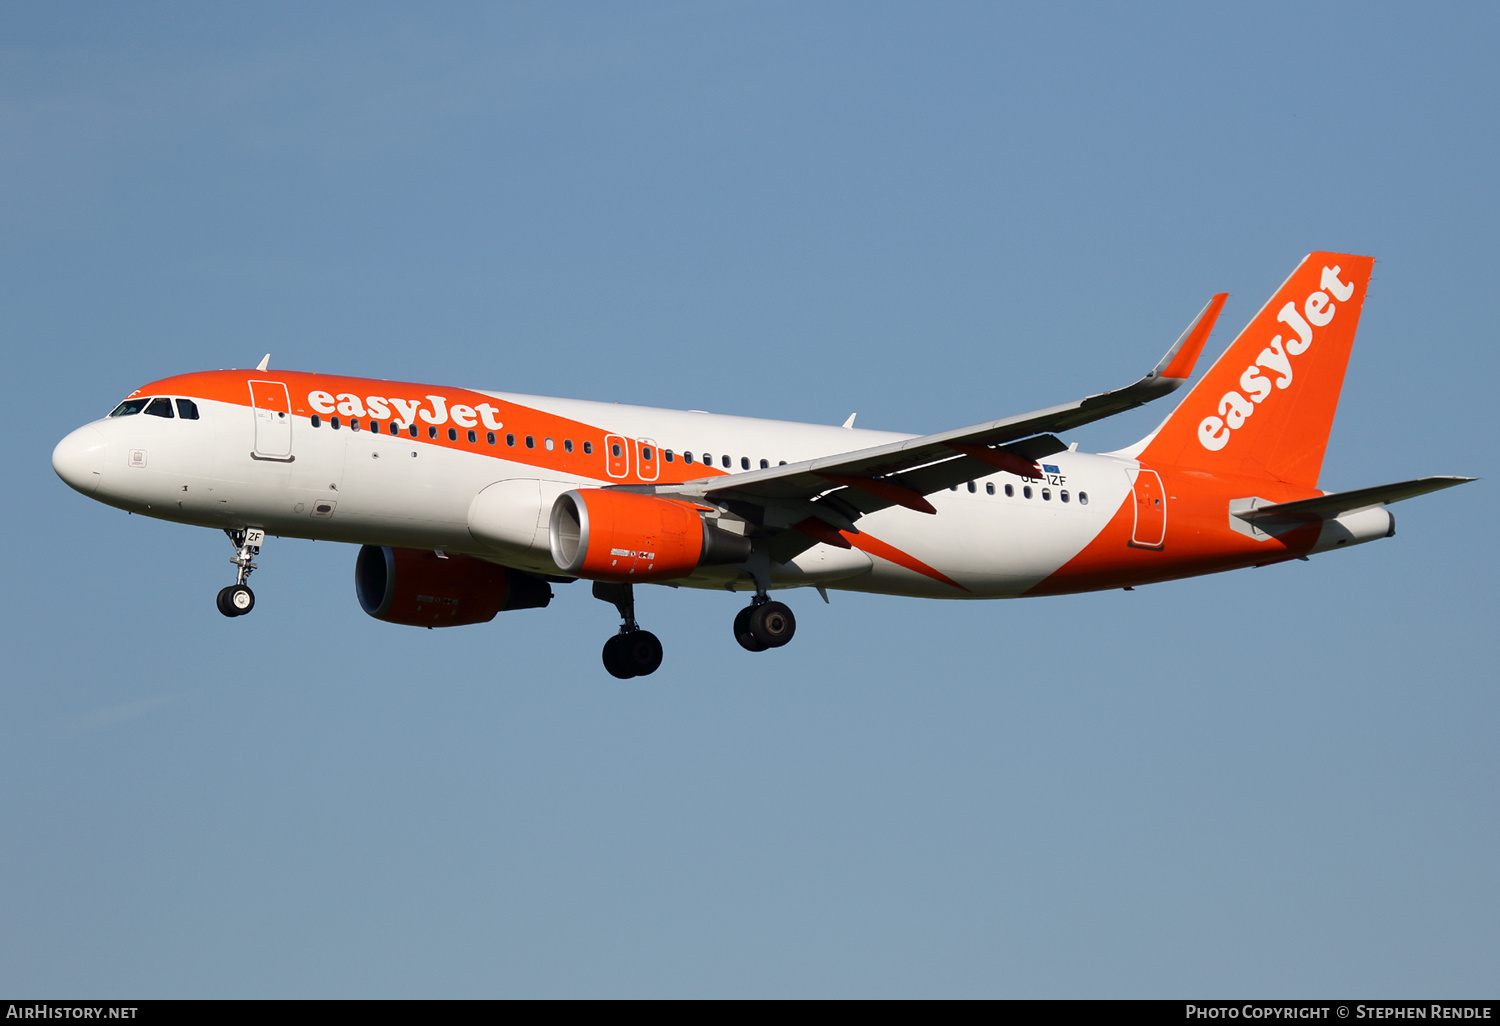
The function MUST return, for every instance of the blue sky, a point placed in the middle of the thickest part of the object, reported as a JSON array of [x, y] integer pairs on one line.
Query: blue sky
[[1278, 782]]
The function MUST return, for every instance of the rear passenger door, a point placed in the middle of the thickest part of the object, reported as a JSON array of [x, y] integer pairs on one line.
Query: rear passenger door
[[1150, 511]]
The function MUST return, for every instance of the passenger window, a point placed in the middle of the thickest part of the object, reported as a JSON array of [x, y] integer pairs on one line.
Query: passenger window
[[432, 432], [489, 436], [375, 426], [130, 407], [972, 487], [989, 488], [548, 444], [669, 455], [1083, 498], [412, 431], [953, 488], [646, 452], [765, 464], [187, 409], [588, 448], [531, 441], [782, 463], [317, 421], [726, 461], [687, 457], [473, 437], [333, 422], [510, 440], [453, 434], [744, 462], [1026, 492], [1063, 495], [160, 408], [1010, 491], [1047, 494], [567, 445], [614, 450], [395, 428], [353, 424]]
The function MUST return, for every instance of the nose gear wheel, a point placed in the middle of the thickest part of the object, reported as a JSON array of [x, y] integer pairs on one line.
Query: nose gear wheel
[[238, 599], [235, 600]]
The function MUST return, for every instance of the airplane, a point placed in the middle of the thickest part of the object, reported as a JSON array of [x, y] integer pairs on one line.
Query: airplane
[[467, 503]]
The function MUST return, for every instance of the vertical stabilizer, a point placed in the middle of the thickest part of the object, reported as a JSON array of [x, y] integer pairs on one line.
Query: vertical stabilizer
[[1265, 408]]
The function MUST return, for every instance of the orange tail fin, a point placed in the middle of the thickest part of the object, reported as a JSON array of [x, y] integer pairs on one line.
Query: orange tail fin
[[1265, 408]]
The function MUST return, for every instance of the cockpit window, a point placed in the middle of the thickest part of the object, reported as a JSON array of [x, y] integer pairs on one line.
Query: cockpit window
[[130, 407], [160, 408], [187, 409]]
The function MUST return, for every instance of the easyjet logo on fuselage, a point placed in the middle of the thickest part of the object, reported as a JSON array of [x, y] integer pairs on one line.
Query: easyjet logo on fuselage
[[407, 410], [1317, 311]]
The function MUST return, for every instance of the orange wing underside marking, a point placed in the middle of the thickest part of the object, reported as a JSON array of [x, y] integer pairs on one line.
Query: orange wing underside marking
[[876, 547]]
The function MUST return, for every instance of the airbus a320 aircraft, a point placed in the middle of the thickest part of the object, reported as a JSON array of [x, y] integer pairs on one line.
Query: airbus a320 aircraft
[[468, 503]]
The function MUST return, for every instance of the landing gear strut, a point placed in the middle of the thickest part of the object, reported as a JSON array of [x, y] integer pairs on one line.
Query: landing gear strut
[[238, 599], [632, 652], [764, 623]]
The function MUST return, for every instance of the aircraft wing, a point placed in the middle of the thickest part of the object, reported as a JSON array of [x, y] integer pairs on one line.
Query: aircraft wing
[[838, 489]]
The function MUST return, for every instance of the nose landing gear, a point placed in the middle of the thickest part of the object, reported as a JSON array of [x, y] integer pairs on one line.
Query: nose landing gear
[[632, 652], [238, 599]]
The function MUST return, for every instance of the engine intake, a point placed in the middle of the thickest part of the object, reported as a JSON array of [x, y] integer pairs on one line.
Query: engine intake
[[418, 588], [624, 536]]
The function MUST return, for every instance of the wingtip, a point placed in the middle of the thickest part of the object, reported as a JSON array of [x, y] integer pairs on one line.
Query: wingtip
[[1183, 356]]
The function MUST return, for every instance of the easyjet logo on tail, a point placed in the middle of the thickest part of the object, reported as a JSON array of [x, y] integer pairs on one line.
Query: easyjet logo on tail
[[1317, 311]]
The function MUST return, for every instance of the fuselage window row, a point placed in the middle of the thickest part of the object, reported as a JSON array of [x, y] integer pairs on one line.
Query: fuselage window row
[[188, 410]]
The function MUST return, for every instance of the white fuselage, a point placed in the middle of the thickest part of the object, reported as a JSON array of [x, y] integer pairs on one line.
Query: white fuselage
[[374, 488]]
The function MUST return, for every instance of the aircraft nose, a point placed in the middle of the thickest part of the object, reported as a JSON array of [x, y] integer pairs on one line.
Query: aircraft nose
[[79, 459]]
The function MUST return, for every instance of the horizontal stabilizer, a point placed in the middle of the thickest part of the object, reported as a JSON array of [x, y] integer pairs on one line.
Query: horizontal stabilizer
[[1327, 507]]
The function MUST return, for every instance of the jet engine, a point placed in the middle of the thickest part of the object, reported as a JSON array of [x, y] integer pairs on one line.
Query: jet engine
[[608, 535], [419, 588]]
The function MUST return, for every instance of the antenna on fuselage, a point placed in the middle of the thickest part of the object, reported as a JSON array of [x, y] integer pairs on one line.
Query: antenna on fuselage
[[850, 422], [264, 360]]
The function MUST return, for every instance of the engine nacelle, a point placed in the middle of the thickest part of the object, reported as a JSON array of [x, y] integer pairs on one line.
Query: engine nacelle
[[624, 536], [419, 588]]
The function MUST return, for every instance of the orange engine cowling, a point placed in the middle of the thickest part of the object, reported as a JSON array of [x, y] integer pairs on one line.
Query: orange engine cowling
[[419, 588], [606, 535]]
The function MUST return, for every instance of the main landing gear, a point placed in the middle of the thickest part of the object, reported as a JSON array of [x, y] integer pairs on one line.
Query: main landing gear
[[632, 652], [238, 599], [764, 624]]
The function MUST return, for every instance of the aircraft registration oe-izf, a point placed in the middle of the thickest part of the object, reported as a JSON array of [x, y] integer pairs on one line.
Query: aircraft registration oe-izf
[[468, 503]]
